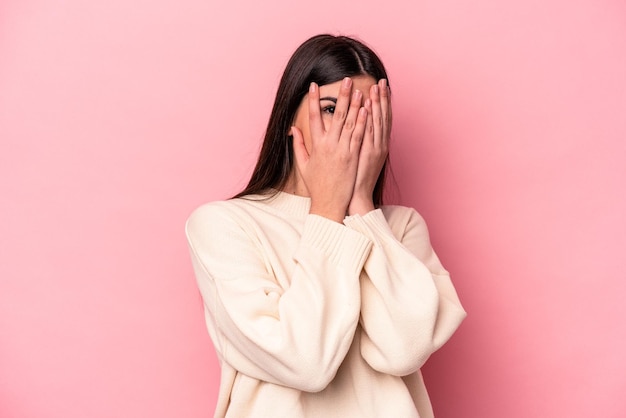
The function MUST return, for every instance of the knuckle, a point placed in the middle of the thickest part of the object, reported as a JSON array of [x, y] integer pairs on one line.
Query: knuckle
[[344, 158], [340, 114], [349, 125]]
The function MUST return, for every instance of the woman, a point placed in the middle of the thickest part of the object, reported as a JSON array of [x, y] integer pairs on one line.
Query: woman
[[320, 301]]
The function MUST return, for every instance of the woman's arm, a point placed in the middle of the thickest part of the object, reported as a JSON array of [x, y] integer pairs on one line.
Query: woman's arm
[[295, 335], [409, 307]]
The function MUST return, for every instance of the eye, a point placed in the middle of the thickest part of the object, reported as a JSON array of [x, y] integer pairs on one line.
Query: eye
[[328, 109]]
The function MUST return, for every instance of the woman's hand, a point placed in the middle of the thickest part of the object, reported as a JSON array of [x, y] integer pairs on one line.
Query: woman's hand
[[374, 149], [329, 168]]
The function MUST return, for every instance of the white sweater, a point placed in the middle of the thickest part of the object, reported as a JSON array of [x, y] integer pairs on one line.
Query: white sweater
[[312, 318]]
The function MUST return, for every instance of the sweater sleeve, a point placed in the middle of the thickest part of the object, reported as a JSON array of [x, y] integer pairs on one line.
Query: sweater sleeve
[[295, 335], [409, 307]]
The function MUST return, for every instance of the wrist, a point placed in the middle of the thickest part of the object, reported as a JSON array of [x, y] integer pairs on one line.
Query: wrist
[[331, 213], [360, 205]]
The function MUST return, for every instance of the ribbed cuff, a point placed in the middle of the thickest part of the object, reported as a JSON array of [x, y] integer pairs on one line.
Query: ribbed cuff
[[373, 225], [345, 247]]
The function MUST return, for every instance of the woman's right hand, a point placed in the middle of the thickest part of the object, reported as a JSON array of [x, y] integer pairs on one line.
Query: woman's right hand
[[328, 169]]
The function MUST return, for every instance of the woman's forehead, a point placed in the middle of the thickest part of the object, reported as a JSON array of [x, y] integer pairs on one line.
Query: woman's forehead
[[360, 82]]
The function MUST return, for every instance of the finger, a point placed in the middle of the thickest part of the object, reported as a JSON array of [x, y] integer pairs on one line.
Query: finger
[[385, 104], [377, 118], [341, 108], [351, 119], [316, 125], [368, 137], [359, 130], [299, 149]]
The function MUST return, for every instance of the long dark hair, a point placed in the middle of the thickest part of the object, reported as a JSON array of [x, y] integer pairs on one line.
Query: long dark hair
[[323, 59]]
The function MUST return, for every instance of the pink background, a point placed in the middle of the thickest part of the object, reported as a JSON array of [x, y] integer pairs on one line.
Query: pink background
[[118, 117]]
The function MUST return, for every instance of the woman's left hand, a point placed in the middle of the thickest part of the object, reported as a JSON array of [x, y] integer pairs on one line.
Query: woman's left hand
[[374, 148]]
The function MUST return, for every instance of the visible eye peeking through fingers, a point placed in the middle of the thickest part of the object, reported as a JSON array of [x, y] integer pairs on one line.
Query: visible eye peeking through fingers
[[327, 105], [330, 109]]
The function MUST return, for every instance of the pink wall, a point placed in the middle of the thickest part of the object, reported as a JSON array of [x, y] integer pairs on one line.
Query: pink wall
[[117, 118]]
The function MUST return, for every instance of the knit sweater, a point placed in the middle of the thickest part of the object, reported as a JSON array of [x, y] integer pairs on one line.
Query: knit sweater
[[313, 318]]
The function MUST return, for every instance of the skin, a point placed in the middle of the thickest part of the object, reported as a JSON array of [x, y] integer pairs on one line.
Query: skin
[[339, 154]]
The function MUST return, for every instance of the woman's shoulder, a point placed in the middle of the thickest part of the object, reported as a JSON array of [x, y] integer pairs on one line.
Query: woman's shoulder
[[213, 214], [403, 214], [402, 219], [220, 214], [211, 209]]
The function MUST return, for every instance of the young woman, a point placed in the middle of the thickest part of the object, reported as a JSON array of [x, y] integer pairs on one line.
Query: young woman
[[320, 301]]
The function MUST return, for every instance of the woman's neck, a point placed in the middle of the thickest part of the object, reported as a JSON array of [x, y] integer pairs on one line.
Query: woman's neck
[[295, 185]]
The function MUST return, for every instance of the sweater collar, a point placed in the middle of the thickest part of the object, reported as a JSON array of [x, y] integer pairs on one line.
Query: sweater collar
[[292, 204]]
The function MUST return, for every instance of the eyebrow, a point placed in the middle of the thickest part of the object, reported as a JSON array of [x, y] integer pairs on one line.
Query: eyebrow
[[332, 99]]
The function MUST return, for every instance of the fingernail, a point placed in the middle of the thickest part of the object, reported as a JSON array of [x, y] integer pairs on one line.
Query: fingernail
[[368, 103], [346, 82], [383, 83], [312, 88], [356, 95], [363, 112], [375, 88]]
